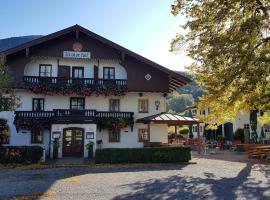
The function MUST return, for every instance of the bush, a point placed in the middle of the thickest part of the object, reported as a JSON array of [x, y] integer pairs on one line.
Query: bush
[[20, 154], [184, 131], [239, 135], [143, 155]]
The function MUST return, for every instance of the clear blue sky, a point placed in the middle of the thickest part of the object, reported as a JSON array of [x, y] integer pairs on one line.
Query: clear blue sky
[[143, 26]]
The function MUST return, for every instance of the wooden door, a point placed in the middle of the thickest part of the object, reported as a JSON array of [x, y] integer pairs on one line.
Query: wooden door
[[63, 71], [73, 140], [63, 74]]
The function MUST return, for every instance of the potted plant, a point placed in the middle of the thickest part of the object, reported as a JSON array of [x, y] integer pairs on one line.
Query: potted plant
[[56, 146], [90, 146]]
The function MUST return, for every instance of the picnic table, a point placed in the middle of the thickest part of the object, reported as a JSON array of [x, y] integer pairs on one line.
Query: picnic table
[[259, 152]]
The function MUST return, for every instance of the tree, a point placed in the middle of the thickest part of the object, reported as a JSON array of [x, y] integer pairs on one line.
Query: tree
[[178, 102], [8, 100], [229, 42]]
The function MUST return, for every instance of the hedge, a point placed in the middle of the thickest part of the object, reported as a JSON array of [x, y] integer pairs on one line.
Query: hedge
[[20, 154], [143, 155]]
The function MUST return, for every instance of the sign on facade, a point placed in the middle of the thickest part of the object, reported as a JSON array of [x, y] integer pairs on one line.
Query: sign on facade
[[76, 54]]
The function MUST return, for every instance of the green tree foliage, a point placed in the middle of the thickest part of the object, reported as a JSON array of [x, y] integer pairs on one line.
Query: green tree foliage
[[178, 102], [184, 131], [8, 100], [229, 42], [193, 88]]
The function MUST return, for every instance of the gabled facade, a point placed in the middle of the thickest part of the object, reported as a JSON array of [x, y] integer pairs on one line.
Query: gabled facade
[[77, 87]]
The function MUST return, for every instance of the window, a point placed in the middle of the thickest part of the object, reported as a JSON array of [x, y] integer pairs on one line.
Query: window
[[114, 135], [246, 126], [143, 106], [144, 135], [38, 104], [45, 70], [77, 72], [109, 73], [36, 136], [203, 112], [195, 128], [114, 105], [77, 103], [267, 128], [194, 112]]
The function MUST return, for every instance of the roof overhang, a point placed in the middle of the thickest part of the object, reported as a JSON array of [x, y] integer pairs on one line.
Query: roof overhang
[[168, 118]]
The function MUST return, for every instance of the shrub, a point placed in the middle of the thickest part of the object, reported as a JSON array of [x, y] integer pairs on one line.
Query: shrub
[[184, 131], [239, 135], [143, 155], [20, 154]]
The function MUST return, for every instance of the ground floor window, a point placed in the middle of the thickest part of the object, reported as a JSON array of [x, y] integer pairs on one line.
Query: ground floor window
[[144, 135], [36, 136], [114, 136]]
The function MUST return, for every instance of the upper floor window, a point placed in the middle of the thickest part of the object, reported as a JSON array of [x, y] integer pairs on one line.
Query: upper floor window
[[267, 128], [143, 106], [77, 72], [115, 105], [77, 103], [108, 73], [194, 112], [38, 104], [45, 70], [246, 126]]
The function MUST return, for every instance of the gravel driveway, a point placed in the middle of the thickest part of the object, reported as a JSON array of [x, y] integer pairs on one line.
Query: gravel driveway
[[207, 179]]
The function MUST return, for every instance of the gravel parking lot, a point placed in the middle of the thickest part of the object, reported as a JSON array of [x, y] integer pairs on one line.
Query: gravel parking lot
[[207, 177]]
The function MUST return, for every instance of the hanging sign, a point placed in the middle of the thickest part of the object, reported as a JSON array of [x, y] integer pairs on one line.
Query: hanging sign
[[76, 54]]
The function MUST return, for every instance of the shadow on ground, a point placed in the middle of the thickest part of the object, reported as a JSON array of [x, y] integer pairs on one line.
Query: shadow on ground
[[177, 187], [15, 182], [33, 183]]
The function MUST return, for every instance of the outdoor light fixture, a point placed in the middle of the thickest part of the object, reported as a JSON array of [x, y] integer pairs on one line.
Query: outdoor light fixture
[[157, 103]]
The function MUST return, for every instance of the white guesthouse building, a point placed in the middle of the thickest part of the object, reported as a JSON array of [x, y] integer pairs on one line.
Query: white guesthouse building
[[75, 86]]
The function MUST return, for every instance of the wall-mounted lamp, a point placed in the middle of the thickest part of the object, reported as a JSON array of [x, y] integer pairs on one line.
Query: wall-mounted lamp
[[157, 103], [140, 94]]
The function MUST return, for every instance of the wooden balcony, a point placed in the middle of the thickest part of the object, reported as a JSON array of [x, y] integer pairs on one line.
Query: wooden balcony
[[65, 82], [67, 116]]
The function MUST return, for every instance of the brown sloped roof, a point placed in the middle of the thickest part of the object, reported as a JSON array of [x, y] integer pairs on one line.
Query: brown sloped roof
[[168, 118], [176, 80]]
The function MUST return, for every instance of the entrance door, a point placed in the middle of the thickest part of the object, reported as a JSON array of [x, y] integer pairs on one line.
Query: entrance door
[[73, 142]]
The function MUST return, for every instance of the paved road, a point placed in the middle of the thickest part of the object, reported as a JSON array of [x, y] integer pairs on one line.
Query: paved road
[[208, 179]]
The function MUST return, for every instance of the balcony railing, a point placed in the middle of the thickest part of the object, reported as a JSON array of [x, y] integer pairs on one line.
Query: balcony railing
[[114, 114], [34, 114], [62, 81], [69, 116]]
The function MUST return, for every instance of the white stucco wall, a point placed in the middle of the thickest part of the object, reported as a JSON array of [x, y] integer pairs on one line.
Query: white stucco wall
[[159, 133], [32, 68], [128, 103]]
